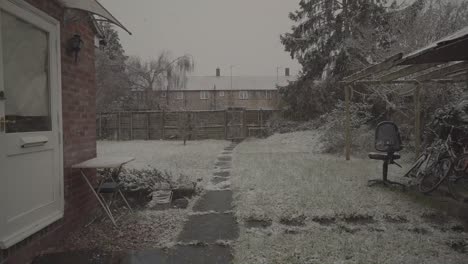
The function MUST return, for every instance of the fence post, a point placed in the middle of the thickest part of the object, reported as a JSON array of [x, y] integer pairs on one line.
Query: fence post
[[131, 125], [163, 123], [118, 126], [225, 124], [148, 126], [244, 123]]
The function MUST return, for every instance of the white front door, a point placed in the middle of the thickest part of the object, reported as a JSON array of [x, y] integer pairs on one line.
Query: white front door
[[31, 173]]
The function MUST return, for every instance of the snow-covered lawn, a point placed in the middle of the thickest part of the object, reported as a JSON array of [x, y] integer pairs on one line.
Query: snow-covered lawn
[[148, 228], [195, 160], [333, 216]]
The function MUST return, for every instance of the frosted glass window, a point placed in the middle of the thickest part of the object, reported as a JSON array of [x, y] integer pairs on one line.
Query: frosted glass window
[[25, 50]]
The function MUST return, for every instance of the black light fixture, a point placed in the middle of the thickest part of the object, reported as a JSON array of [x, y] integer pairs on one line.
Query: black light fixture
[[75, 45]]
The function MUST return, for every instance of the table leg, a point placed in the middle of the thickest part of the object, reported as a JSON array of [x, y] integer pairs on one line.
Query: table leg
[[104, 206], [116, 175]]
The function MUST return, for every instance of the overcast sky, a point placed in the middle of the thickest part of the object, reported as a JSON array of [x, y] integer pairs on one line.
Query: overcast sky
[[218, 33]]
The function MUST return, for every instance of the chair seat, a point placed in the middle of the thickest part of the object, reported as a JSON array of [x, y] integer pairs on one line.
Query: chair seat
[[108, 187], [383, 156]]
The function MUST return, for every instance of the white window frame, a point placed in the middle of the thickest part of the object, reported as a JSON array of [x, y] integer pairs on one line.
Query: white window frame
[[180, 95], [244, 95], [268, 95], [204, 95], [221, 94]]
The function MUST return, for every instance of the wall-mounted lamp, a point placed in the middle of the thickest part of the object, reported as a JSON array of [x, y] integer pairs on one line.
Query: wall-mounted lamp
[[75, 45]]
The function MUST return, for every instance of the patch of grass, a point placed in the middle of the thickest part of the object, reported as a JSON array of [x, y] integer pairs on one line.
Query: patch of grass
[[286, 175]]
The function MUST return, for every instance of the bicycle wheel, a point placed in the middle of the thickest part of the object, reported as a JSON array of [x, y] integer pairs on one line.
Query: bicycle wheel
[[434, 176], [413, 172], [458, 185]]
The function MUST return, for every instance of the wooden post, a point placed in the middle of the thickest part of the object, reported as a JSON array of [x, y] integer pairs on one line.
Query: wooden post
[[417, 119], [100, 126], [118, 126], [148, 126], [163, 121], [244, 123], [348, 122], [131, 125], [225, 124]]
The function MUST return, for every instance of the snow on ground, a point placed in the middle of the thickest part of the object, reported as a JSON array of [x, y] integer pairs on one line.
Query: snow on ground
[[147, 228], [195, 160], [322, 211]]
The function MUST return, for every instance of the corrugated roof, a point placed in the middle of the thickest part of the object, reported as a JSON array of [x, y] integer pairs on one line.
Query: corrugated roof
[[238, 82], [450, 48]]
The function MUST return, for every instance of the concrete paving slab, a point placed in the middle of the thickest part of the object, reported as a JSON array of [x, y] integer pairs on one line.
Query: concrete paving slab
[[218, 201], [224, 158], [209, 228], [212, 254], [79, 257], [224, 174], [217, 180]]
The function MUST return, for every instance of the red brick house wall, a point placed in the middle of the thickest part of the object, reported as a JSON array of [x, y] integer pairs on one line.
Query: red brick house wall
[[79, 134], [191, 100]]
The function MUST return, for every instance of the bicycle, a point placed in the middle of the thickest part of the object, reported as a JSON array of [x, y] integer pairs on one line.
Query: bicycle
[[426, 160], [438, 172]]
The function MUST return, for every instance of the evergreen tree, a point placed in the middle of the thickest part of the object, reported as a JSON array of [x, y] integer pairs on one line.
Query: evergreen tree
[[331, 39], [113, 91]]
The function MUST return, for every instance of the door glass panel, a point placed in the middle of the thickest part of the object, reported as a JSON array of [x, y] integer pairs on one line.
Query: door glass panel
[[26, 75]]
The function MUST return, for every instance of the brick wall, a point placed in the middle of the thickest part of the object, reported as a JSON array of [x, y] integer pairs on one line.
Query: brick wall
[[79, 135], [257, 99]]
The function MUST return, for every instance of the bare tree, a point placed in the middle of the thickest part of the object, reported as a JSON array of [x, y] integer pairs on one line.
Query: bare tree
[[163, 73]]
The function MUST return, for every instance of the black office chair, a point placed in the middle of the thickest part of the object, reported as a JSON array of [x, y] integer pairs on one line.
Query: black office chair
[[387, 143]]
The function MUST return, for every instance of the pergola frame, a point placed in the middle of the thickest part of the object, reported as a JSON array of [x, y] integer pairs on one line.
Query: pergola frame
[[443, 62]]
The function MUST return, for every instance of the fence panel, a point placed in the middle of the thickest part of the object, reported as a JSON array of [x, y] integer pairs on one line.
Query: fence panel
[[155, 125]]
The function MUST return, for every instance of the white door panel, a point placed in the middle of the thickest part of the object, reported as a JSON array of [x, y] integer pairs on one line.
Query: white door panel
[[31, 170]]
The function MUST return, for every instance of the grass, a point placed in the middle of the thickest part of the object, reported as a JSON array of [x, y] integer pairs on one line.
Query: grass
[[286, 177], [195, 160]]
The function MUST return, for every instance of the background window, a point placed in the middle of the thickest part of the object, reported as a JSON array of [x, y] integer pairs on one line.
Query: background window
[[204, 95], [243, 95], [163, 94], [180, 95], [221, 94]]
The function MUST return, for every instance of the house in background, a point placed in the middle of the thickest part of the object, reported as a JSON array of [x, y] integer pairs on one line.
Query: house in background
[[47, 120], [218, 93]]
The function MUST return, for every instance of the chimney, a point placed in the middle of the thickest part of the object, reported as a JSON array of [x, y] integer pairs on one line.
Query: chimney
[[286, 72], [218, 72]]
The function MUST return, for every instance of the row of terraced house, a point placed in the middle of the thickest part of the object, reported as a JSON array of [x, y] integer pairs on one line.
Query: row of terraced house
[[217, 92]]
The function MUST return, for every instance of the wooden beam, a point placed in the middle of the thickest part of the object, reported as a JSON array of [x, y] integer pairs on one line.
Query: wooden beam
[[460, 76], [417, 119], [348, 122], [442, 72], [406, 71], [385, 65], [375, 82]]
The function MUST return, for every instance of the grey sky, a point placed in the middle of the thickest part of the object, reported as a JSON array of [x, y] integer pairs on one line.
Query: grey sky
[[218, 33]]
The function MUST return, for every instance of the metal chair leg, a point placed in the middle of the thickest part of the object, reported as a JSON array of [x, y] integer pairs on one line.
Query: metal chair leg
[[104, 206]]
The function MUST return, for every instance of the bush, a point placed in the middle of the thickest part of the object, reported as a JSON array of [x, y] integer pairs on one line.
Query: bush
[[149, 179], [334, 126]]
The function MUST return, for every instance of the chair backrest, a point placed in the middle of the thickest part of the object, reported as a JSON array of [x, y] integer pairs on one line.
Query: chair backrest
[[387, 137]]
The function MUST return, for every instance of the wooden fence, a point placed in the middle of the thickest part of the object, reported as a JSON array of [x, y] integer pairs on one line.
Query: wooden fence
[[155, 125]]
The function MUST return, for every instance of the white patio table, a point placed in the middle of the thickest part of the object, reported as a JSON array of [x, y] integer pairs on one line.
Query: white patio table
[[106, 182]]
